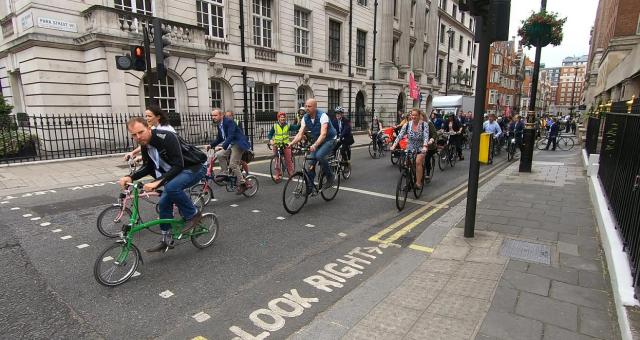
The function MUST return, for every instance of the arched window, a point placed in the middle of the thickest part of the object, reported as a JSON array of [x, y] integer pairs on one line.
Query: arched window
[[304, 93], [217, 94], [165, 94]]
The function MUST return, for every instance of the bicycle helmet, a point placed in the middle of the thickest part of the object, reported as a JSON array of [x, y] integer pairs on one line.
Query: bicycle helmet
[[339, 109], [281, 114]]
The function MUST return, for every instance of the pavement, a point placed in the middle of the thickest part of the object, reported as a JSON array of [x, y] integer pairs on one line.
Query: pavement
[[553, 285]]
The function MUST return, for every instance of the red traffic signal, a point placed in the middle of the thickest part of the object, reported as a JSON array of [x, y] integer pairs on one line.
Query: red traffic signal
[[138, 58], [138, 52]]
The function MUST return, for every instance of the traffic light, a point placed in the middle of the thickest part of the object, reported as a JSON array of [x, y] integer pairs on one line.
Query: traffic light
[[161, 39], [475, 7], [138, 58]]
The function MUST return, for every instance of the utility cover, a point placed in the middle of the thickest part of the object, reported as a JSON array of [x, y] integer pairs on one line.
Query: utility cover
[[526, 251]]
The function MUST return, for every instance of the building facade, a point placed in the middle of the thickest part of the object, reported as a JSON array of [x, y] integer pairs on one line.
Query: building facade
[[613, 71], [60, 57], [502, 79], [457, 51], [571, 86]]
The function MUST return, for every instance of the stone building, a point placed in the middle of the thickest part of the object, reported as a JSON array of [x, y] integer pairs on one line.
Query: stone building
[[571, 84]]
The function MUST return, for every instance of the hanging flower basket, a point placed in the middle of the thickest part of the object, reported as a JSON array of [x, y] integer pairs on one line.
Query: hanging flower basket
[[541, 29]]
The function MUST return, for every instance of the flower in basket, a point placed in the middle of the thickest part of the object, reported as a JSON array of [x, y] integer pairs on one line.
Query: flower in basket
[[541, 29]]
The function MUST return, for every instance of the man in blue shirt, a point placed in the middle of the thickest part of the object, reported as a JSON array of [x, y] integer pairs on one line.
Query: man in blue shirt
[[230, 144], [553, 134], [491, 126]]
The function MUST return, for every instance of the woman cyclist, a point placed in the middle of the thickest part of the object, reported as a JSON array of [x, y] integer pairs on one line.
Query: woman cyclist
[[375, 132], [418, 132]]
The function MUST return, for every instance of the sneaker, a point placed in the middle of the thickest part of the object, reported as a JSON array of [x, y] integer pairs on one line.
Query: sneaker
[[192, 223], [329, 183], [160, 247]]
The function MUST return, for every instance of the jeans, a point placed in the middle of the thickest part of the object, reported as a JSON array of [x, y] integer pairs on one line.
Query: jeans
[[321, 155], [174, 193]]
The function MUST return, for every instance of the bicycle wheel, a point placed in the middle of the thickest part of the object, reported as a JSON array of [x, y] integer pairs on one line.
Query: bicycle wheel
[[201, 194], [346, 171], [441, 162], [330, 193], [272, 168], [294, 194], [206, 232], [402, 189], [566, 144], [111, 219], [417, 192], [541, 144], [395, 157], [115, 265], [373, 152], [433, 167], [452, 157], [252, 186]]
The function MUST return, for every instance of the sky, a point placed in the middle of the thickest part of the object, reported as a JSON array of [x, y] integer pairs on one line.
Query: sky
[[580, 16]]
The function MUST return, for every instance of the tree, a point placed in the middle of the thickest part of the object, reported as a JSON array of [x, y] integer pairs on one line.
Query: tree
[[6, 122]]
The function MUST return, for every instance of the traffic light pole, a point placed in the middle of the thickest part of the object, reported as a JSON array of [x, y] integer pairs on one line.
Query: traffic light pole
[[245, 112], [480, 96], [151, 76]]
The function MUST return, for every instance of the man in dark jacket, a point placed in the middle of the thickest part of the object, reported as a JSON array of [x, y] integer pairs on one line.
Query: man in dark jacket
[[554, 130], [173, 166], [453, 126], [345, 137], [230, 144]]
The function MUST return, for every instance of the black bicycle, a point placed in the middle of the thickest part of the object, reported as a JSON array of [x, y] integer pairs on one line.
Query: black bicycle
[[377, 146], [511, 147], [299, 186], [341, 166], [447, 155], [407, 181], [279, 159]]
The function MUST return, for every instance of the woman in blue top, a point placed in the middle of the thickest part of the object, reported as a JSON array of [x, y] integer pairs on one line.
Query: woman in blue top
[[418, 132]]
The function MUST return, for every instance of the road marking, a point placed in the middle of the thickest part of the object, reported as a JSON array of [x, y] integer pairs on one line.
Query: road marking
[[280, 218], [201, 317], [199, 337], [4, 202], [166, 294], [214, 200], [107, 259], [27, 215], [80, 246], [36, 218], [342, 234], [421, 248], [56, 230], [136, 273], [255, 211], [234, 205], [45, 224], [16, 208], [309, 225], [66, 237]]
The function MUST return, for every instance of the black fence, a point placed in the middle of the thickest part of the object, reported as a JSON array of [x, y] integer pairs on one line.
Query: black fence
[[619, 173], [593, 132]]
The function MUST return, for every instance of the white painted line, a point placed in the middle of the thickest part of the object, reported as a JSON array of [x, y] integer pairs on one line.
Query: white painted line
[[66, 237], [107, 259], [309, 225], [136, 273], [280, 218], [342, 235], [255, 211], [201, 317], [36, 218], [16, 208], [214, 200], [80, 246], [27, 215], [56, 230], [45, 224], [166, 294], [234, 205], [4, 202]]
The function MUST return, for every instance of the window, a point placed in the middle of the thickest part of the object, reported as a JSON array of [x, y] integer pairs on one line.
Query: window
[[466, 73], [449, 69], [394, 49], [439, 70], [363, 3], [443, 4], [217, 94], [361, 48], [471, 24], [452, 37], [462, 17], [496, 59], [459, 75], [166, 94], [460, 41], [303, 94], [495, 77], [210, 15], [301, 31], [265, 98], [473, 77], [135, 6], [492, 96], [473, 53], [334, 40], [413, 13], [262, 23], [454, 12], [442, 32], [468, 48], [334, 100]]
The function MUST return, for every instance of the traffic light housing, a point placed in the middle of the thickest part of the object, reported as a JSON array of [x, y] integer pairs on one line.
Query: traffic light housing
[[138, 59], [492, 14], [161, 40]]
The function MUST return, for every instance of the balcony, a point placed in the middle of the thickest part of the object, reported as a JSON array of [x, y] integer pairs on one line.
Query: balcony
[[361, 71], [335, 66], [266, 54], [304, 61], [217, 45]]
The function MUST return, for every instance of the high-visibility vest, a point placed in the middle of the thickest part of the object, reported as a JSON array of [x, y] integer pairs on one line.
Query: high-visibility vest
[[281, 135]]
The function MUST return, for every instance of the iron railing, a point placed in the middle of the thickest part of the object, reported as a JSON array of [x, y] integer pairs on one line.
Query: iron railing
[[593, 132], [619, 174]]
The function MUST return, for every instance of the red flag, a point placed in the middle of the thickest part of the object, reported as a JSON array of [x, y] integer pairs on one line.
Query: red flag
[[413, 87]]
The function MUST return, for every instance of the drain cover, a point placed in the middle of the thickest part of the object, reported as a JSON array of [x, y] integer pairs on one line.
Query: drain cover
[[526, 251]]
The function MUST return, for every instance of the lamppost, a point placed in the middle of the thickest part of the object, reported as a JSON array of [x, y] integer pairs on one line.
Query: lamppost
[[446, 86], [573, 93]]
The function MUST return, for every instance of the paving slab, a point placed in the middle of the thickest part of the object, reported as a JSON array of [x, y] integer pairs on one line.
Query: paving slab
[[507, 326], [548, 310], [595, 323], [526, 282], [579, 295]]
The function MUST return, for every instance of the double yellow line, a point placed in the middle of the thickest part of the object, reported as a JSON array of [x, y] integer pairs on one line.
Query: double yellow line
[[427, 211]]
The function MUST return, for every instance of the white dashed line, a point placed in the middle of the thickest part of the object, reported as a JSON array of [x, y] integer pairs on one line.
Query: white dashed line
[[107, 259], [4, 202], [280, 218], [27, 215], [255, 211], [136, 273], [166, 294], [36, 218], [201, 317], [16, 208], [56, 230], [342, 235], [234, 205], [309, 225], [45, 224], [214, 200], [66, 237], [80, 246]]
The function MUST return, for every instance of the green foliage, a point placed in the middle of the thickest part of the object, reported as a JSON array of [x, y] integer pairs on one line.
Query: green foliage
[[541, 29], [6, 123], [13, 142]]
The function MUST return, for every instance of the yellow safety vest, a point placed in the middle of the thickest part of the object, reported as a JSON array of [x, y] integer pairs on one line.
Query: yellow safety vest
[[281, 135]]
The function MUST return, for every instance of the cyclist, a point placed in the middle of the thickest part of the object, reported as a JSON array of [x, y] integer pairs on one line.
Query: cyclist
[[279, 138], [323, 140], [554, 131], [174, 165], [157, 119], [418, 133], [229, 146], [432, 147], [516, 130], [342, 126], [231, 115], [454, 128], [490, 126], [375, 131]]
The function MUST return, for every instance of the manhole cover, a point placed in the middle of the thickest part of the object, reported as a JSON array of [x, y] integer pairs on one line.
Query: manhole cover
[[526, 251]]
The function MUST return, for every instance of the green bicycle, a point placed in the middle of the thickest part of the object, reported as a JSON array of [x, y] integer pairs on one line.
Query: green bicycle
[[118, 262]]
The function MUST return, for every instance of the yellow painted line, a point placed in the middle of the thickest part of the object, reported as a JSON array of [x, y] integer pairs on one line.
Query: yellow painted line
[[421, 248], [199, 338]]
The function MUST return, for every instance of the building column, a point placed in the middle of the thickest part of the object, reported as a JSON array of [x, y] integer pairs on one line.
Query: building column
[[386, 40], [404, 16], [420, 29]]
